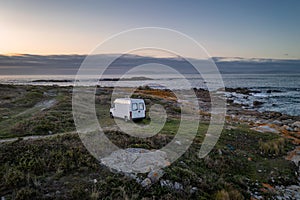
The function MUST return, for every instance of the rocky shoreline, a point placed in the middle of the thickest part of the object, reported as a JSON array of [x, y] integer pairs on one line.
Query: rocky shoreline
[[268, 121]]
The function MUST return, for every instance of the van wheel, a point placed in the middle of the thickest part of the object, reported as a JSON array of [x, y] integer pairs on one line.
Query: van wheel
[[126, 119], [111, 115]]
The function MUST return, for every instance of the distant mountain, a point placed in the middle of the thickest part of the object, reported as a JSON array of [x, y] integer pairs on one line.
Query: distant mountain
[[27, 64]]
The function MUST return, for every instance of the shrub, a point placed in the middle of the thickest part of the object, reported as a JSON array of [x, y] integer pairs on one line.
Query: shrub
[[275, 146], [27, 193], [222, 195], [235, 195], [79, 192], [230, 194], [14, 178]]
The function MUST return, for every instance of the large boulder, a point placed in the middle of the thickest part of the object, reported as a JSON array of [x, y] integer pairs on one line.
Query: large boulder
[[296, 124], [136, 160]]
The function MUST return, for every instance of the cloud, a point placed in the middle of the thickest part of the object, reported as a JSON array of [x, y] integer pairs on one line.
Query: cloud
[[27, 64]]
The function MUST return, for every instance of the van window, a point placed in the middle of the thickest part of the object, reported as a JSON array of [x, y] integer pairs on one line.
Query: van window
[[134, 106], [141, 106]]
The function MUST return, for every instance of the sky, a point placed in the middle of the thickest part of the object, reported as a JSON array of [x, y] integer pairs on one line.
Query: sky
[[225, 28]]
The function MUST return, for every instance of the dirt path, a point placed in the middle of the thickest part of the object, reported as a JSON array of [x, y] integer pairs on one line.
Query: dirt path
[[34, 137], [38, 107]]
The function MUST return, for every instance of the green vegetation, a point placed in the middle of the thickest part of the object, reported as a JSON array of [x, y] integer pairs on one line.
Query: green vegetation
[[35, 110], [60, 167], [274, 147], [58, 119]]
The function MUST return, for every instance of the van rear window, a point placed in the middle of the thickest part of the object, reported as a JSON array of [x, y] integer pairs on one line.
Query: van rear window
[[141, 106], [134, 106]]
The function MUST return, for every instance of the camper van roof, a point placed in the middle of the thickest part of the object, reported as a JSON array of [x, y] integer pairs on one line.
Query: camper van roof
[[126, 100]]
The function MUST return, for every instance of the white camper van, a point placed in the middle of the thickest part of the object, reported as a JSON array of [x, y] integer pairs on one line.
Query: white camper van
[[128, 109]]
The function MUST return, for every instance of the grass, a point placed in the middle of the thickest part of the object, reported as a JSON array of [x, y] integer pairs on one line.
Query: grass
[[60, 167], [63, 164], [273, 147], [26, 116]]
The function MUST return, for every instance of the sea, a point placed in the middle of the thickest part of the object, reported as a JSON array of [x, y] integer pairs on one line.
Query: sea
[[276, 92]]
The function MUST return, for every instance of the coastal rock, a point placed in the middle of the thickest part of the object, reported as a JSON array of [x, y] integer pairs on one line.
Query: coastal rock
[[169, 184], [257, 103], [277, 122], [271, 91], [155, 175], [271, 115], [264, 129], [166, 183], [294, 156], [262, 121], [230, 101], [286, 127], [245, 91], [178, 186], [146, 182], [193, 190], [287, 121], [136, 160], [289, 192], [296, 124]]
